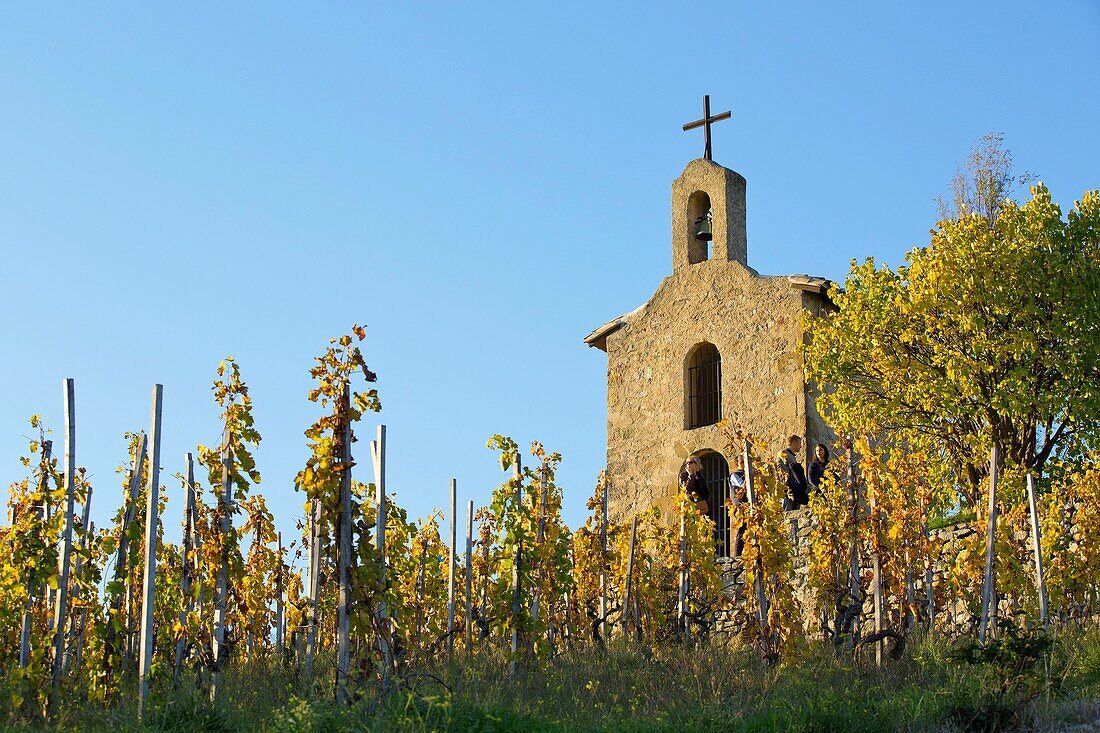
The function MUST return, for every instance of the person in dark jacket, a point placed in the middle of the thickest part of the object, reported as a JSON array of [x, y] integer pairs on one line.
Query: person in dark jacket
[[793, 475], [817, 467]]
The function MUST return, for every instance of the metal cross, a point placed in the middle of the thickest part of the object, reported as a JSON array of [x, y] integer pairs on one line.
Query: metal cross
[[705, 123]]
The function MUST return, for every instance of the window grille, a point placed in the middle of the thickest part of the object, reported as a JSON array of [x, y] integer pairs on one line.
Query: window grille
[[717, 472], [704, 387]]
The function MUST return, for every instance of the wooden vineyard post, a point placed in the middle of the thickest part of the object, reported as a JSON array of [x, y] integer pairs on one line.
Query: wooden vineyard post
[[83, 622], [539, 538], [314, 582], [629, 577], [987, 584], [221, 591], [569, 595], [876, 568], [483, 596], [910, 593], [378, 454], [469, 573], [280, 612], [418, 627], [186, 550], [517, 596], [855, 588], [930, 590], [451, 572], [343, 568], [419, 599], [61, 609], [122, 557], [75, 645], [1037, 550], [603, 557], [152, 507], [28, 609], [750, 496], [681, 605]]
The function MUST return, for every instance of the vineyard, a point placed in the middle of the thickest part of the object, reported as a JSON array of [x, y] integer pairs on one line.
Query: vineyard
[[367, 601]]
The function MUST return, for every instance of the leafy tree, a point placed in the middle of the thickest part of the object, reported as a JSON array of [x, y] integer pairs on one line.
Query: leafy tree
[[990, 335]]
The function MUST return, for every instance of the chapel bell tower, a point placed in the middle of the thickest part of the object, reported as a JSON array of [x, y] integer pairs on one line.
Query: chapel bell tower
[[708, 216], [708, 207]]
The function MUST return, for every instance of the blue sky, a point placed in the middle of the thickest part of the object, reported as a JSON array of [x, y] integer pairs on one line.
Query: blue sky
[[480, 184]]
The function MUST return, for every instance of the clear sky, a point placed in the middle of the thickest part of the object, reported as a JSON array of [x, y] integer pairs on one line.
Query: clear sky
[[482, 185]]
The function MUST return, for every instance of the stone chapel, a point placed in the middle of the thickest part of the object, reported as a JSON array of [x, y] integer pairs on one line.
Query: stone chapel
[[716, 340]]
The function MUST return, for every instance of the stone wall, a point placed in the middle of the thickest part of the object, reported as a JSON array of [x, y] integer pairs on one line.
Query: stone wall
[[949, 542]]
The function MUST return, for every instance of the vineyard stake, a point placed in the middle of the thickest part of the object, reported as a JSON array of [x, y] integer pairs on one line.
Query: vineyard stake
[[987, 584], [314, 582], [25, 630], [681, 605], [152, 507], [120, 601], [569, 593], [517, 474], [855, 588], [483, 601], [66, 542], [51, 593], [629, 575], [876, 569], [280, 613], [185, 559], [929, 588], [603, 559], [221, 591], [378, 454], [1037, 549], [451, 573], [343, 608], [910, 592], [750, 496], [536, 563], [76, 626], [419, 599], [469, 572], [82, 626]]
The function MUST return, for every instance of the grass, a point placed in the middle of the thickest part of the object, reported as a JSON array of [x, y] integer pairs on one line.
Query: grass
[[708, 687], [960, 516]]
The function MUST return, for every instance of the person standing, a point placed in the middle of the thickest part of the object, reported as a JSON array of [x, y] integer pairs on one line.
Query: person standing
[[793, 475], [695, 485], [818, 466], [738, 495]]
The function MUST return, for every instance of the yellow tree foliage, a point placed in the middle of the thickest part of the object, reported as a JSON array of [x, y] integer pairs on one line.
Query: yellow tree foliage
[[1071, 542], [989, 335]]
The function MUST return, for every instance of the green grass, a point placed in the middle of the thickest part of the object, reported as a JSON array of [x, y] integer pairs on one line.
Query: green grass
[[708, 687], [959, 517]]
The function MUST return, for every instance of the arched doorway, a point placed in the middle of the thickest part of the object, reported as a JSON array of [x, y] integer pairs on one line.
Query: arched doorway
[[716, 471]]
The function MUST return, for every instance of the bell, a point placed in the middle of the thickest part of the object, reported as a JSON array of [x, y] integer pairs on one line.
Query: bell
[[702, 229]]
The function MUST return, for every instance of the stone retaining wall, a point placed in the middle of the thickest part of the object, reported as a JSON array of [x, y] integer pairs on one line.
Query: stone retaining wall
[[948, 539]]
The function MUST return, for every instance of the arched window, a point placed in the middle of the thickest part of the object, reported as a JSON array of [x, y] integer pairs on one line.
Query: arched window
[[703, 386], [717, 472]]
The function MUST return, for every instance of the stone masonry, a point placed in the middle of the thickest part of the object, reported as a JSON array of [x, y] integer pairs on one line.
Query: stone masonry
[[948, 541]]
